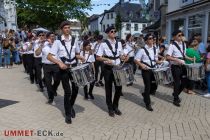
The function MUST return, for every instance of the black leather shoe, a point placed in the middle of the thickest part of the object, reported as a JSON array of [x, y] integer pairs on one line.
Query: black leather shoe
[[50, 101], [55, 94], [176, 103], [111, 113], [178, 100], [41, 89], [130, 84], [153, 93], [73, 114], [149, 108], [91, 96], [97, 84], [68, 120], [117, 111]]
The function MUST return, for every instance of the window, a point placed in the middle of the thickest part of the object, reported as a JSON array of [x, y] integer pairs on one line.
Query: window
[[144, 25], [128, 27], [196, 23], [136, 27], [107, 16], [107, 25], [111, 15], [113, 25]]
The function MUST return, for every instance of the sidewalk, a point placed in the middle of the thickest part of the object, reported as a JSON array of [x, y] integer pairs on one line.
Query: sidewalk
[[26, 109]]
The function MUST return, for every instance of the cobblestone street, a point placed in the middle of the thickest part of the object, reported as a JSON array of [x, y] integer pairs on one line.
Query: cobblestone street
[[29, 111]]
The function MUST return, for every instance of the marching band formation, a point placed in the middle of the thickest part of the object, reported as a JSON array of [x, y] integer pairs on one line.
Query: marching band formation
[[85, 64]]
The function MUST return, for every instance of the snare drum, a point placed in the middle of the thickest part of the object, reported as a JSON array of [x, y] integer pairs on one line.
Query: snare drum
[[83, 74], [123, 75], [163, 76], [195, 72]]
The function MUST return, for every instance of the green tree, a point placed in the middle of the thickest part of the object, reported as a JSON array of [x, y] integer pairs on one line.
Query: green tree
[[49, 13], [118, 24]]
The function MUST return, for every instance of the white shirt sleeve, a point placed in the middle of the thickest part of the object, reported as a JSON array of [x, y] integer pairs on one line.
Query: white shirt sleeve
[[120, 48], [91, 58], [170, 50], [139, 55], [101, 50], [55, 47]]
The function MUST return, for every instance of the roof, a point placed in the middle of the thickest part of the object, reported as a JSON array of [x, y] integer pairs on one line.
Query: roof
[[128, 11]]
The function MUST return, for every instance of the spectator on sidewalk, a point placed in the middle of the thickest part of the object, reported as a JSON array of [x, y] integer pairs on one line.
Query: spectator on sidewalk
[[208, 71]]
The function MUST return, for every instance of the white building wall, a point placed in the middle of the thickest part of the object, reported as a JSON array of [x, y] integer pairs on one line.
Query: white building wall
[[173, 5]]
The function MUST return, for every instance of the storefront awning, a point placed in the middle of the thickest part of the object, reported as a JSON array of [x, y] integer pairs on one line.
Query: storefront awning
[[152, 28]]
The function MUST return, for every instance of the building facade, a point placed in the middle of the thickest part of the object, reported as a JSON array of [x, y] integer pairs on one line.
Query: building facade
[[190, 16], [132, 19], [8, 16]]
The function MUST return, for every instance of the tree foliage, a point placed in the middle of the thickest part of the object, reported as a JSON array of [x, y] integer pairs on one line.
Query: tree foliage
[[49, 13]]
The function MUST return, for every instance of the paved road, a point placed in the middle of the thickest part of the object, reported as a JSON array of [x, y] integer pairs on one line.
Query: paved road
[[29, 111]]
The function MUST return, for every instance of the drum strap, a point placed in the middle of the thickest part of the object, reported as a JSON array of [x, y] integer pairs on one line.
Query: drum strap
[[175, 44], [110, 47], [147, 53], [69, 53]]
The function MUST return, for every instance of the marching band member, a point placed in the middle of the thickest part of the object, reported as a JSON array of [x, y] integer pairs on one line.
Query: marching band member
[[29, 57], [67, 50], [130, 51], [176, 55], [110, 53], [89, 58], [98, 64], [147, 58], [51, 70], [38, 58]]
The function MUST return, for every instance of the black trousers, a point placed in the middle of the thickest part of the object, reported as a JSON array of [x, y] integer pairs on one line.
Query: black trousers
[[24, 60], [38, 71], [51, 72], [70, 94], [90, 90], [99, 64], [109, 79], [131, 61], [30, 65], [150, 85], [180, 79]]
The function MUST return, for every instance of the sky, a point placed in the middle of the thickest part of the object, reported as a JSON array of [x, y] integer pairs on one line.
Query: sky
[[100, 9]]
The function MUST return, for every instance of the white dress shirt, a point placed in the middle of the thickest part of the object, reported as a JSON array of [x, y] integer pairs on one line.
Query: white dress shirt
[[141, 55], [59, 50], [88, 58], [174, 51], [105, 51], [26, 46], [36, 46], [45, 52]]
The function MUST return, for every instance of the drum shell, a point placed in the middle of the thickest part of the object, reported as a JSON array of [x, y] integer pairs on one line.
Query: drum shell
[[83, 74], [123, 75], [195, 72], [163, 76]]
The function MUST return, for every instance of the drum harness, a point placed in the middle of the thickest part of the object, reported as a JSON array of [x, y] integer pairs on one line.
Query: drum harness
[[63, 59], [147, 53]]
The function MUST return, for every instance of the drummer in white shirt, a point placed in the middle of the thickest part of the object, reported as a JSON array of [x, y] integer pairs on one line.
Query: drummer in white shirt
[[111, 53], [147, 58], [67, 50], [130, 51], [89, 58], [176, 55], [39, 43], [51, 70]]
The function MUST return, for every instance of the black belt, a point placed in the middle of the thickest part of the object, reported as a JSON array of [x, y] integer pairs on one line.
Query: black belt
[[112, 58]]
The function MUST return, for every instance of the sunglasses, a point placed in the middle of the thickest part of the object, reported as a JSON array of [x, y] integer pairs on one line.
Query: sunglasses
[[41, 35], [180, 35], [113, 31], [150, 38]]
